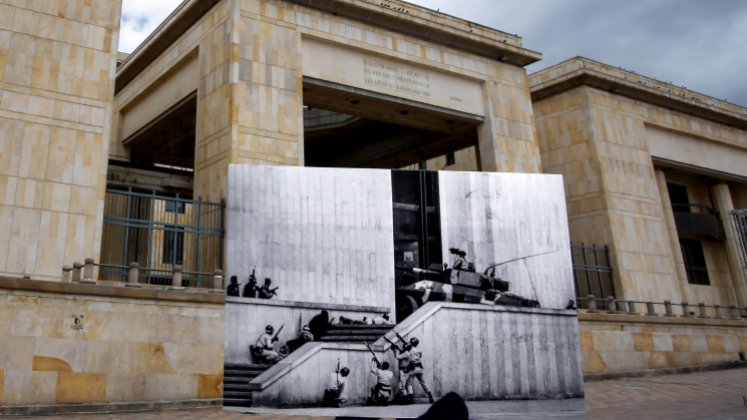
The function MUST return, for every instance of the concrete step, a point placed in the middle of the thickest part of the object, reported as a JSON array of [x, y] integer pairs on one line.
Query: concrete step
[[350, 338], [237, 402], [230, 373], [236, 387], [237, 394]]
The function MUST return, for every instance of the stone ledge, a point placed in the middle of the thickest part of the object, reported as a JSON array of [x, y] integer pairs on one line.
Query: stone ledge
[[52, 409], [664, 371], [306, 305], [108, 290], [660, 320]]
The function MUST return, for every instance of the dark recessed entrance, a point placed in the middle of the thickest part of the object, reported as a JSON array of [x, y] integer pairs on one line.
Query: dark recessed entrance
[[351, 127]]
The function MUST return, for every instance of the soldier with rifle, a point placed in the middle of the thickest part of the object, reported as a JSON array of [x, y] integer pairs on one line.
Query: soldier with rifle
[[403, 360], [382, 390], [416, 364], [266, 291], [265, 347], [334, 394], [250, 289]]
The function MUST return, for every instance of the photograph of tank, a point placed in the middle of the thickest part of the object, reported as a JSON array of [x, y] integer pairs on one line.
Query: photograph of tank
[[397, 286]]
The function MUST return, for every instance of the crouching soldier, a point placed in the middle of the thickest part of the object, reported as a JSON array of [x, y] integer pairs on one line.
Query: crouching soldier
[[264, 350], [334, 394]]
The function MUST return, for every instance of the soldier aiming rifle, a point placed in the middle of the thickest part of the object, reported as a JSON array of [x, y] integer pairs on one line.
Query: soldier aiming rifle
[[266, 291], [403, 362], [382, 390]]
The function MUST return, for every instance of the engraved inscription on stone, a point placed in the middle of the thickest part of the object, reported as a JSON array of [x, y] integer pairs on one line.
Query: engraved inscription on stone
[[396, 77]]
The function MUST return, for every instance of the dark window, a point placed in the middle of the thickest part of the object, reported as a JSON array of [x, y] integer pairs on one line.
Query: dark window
[[678, 198], [417, 227], [173, 245], [695, 264]]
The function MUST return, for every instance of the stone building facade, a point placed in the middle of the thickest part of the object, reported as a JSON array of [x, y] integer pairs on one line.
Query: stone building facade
[[647, 166]]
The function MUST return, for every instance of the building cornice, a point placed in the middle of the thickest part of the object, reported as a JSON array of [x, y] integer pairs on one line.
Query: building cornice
[[397, 16], [580, 71]]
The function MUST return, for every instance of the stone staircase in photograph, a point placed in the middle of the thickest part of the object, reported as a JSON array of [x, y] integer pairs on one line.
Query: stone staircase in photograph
[[236, 379], [354, 333]]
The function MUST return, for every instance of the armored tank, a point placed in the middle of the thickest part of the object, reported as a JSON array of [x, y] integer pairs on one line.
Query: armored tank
[[458, 283]]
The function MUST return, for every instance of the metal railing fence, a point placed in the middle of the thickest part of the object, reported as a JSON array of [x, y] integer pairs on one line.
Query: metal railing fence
[[592, 272], [160, 233], [739, 218]]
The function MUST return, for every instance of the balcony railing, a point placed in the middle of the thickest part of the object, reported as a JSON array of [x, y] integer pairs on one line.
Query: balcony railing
[[695, 221]]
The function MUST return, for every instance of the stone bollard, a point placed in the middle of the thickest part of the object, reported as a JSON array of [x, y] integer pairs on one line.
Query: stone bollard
[[631, 308], [591, 303], [176, 277], [88, 269], [651, 309], [702, 310], [668, 308], [717, 311], [66, 273], [76, 271], [686, 310], [622, 306], [218, 279], [734, 311], [611, 305], [133, 274]]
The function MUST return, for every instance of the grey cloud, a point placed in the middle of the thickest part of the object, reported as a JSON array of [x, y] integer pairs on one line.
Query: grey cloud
[[694, 43]]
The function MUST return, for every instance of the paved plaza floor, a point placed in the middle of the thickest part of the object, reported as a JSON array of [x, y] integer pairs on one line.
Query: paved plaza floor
[[705, 395]]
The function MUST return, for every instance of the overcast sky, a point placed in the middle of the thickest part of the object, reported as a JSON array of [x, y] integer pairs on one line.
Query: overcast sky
[[698, 44]]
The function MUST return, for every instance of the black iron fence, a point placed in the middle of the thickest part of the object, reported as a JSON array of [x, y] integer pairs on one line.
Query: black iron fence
[[592, 272], [740, 224], [162, 234]]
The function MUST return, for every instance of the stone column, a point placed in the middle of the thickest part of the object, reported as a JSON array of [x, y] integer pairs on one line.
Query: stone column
[[507, 140], [724, 205], [249, 104], [674, 239]]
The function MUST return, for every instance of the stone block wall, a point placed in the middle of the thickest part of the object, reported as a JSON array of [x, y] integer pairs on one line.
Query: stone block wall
[[73, 343], [619, 344], [57, 62], [605, 145]]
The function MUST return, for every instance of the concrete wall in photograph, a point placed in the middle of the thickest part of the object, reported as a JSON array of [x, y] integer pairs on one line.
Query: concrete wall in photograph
[[479, 351], [498, 217], [322, 235], [63, 343]]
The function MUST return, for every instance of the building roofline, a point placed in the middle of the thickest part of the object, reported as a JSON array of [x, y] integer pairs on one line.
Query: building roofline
[[174, 26], [395, 15], [579, 71]]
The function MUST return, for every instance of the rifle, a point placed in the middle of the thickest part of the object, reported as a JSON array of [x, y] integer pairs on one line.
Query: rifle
[[375, 359], [395, 348], [275, 338], [401, 339], [337, 376]]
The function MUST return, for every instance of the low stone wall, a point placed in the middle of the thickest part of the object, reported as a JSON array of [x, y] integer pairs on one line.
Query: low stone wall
[[482, 352], [64, 343], [246, 319], [616, 345]]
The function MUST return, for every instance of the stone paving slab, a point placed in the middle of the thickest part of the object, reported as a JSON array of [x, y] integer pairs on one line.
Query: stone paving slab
[[705, 395]]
